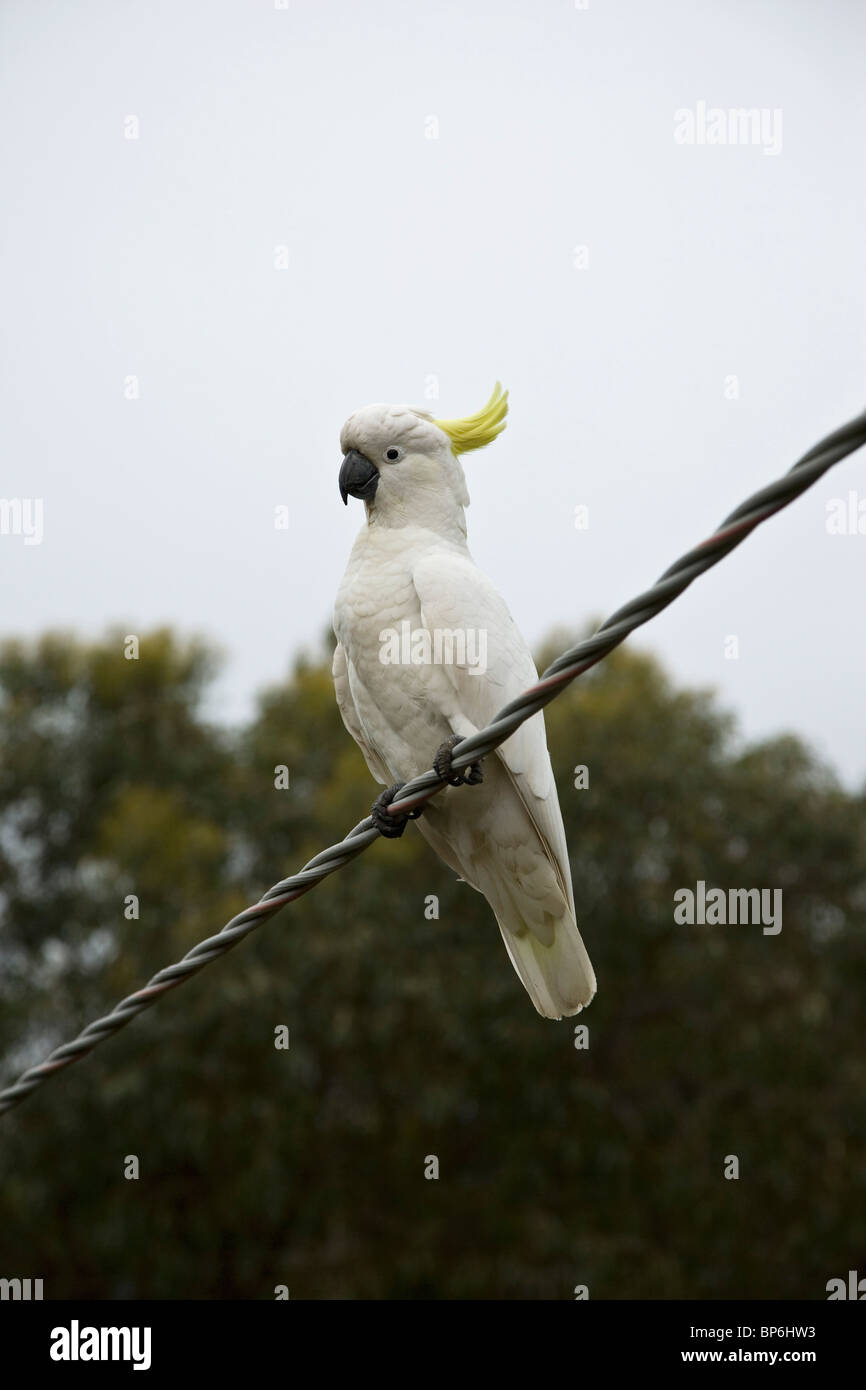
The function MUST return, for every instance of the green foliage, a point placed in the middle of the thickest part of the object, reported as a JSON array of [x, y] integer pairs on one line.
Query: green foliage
[[410, 1036]]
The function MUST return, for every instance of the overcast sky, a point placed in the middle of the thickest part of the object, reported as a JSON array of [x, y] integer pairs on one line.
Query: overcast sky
[[331, 204]]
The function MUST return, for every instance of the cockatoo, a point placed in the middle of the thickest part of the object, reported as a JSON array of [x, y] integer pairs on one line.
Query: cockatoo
[[413, 616]]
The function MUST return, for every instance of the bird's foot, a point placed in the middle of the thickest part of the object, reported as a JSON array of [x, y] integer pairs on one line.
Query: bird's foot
[[391, 827], [470, 776]]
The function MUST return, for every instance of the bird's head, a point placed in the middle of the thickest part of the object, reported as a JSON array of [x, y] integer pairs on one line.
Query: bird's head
[[405, 465]]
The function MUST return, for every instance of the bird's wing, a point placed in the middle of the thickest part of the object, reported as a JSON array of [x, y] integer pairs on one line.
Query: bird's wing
[[346, 706], [455, 595]]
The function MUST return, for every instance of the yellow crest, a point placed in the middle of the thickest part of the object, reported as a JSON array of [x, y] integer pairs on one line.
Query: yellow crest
[[475, 431]]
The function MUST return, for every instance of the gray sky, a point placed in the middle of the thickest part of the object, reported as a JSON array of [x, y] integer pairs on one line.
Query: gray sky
[[410, 259]]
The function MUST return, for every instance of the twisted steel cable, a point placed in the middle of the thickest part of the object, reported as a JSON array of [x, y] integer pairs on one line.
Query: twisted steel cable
[[419, 790]]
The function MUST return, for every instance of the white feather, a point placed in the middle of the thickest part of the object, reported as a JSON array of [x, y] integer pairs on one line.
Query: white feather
[[504, 837]]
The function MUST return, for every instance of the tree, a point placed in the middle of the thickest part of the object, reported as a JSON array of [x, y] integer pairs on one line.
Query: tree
[[409, 1035]]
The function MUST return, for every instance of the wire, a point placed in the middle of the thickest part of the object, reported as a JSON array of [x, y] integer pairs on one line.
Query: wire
[[419, 790]]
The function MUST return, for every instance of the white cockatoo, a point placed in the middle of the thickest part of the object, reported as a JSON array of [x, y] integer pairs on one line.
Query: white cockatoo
[[427, 652]]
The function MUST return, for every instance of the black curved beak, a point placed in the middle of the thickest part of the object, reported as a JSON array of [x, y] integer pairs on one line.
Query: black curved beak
[[358, 477]]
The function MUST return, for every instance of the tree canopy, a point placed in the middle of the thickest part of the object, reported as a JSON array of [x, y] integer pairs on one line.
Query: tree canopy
[[131, 828]]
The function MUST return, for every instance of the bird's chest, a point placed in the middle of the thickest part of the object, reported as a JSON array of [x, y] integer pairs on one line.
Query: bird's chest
[[379, 621], [376, 598]]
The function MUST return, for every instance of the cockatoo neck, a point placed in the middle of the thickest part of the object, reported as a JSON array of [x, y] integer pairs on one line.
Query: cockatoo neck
[[433, 509]]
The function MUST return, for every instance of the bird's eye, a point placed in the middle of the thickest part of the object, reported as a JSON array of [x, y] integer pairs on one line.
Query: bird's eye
[[393, 454]]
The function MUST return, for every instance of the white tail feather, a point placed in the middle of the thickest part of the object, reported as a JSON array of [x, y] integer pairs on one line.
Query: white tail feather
[[558, 978]]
